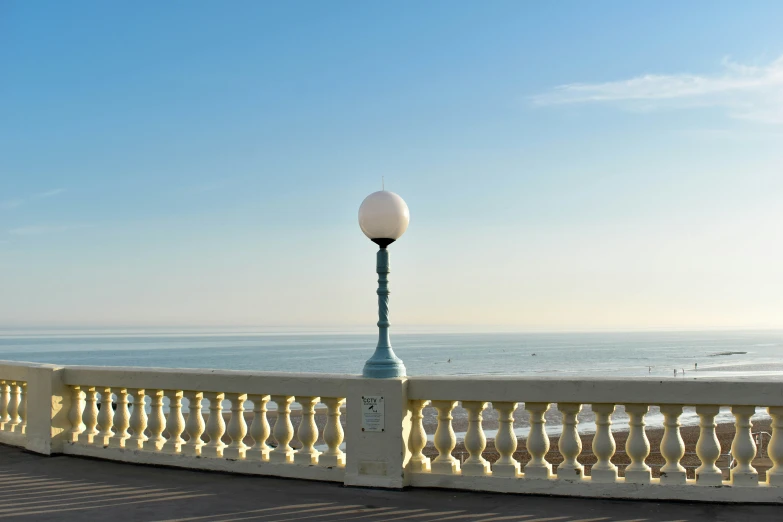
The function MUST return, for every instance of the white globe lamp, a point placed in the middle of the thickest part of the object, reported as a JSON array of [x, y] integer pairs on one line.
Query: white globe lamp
[[383, 217]]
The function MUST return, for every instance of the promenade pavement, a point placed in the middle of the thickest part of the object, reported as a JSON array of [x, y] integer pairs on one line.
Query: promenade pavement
[[37, 488]]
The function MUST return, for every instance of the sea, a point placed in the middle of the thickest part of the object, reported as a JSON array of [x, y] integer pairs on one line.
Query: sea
[[700, 354]]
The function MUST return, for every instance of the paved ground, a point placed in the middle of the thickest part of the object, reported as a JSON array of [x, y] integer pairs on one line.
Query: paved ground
[[68, 488]]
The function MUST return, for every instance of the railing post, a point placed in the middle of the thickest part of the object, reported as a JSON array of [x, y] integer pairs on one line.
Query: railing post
[[570, 444], [48, 406], [743, 448], [603, 445], [775, 447], [708, 448], [637, 446]]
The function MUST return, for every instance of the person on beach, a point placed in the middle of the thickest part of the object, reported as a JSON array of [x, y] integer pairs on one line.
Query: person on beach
[[675, 372]]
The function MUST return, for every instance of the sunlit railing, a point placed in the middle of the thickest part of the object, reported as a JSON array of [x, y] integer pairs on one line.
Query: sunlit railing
[[314, 426]]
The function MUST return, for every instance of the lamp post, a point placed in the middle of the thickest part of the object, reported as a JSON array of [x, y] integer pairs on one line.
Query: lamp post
[[383, 217]]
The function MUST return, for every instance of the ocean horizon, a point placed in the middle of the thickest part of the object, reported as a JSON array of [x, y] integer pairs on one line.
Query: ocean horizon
[[425, 352]]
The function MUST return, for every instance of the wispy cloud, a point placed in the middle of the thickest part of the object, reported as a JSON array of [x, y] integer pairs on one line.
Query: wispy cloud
[[48, 193], [10, 204], [37, 230], [747, 92]]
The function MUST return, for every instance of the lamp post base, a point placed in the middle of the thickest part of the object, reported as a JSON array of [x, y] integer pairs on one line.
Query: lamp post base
[[385, 368]]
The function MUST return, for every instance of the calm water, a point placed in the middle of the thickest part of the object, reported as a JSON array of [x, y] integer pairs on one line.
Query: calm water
[[572, 354], [717, 354]]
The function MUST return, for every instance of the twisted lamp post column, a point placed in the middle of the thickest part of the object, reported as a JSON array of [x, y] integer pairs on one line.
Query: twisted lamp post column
[[383, 217]]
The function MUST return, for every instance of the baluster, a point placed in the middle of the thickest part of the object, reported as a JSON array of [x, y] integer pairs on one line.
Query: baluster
[[23, 408], [505, 441], [195, 425], [90, 417], [75, 413], [333, 434], [537, 442], [637, 446], [5, 399], [603, 445], [237, 427], [570, 444], [216, 426], [743, 448], [708, 448], [307, 432], [475, 440], [283, 431], [138, 420], [13, 408], [418, 438], [672, 446], [175, 423], [156, 423], [259, 429], [775, 447], [121, 420], [445, 440], [105, 418]]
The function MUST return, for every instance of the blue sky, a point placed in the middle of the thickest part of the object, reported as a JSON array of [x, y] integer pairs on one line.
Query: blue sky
[[567, 166]]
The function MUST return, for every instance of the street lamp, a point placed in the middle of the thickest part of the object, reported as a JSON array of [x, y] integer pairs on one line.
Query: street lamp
[[383, 217]]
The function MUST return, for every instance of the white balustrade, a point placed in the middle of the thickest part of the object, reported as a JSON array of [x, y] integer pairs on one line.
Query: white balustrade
[[445, 440], [283, 431], [333, 434], [637, 446], [127, 433], [195, 424], [743, 448], [156, 422], [5, 399], [775, 447], [237, 427], [505, 441], [708, 447], [603, 445], [672, 445], [23, 408], [417, 439], [259, 429], [75, 413], [121, 420], [307, 432], [105, 418], [570, 444], [138, 420], [13, 408], [216, 426], [537, 442], [90, 417], [175, 423], [475, 440]]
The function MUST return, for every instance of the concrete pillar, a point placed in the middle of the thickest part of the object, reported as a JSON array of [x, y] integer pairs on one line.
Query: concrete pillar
[[378, 458], [48, 405]]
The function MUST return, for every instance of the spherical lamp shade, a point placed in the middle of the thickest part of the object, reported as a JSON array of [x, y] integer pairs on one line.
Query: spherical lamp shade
[[384, 217]]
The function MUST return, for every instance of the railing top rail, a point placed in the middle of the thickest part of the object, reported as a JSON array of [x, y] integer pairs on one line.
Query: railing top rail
[[752, 391], [206, 380], [16, 370]]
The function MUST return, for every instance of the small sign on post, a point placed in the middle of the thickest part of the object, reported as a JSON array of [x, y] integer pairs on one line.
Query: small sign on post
[[372, 413]]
